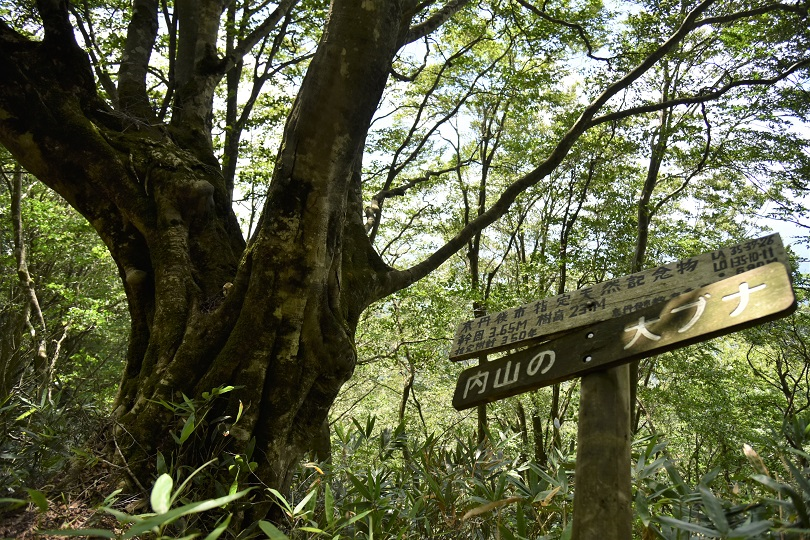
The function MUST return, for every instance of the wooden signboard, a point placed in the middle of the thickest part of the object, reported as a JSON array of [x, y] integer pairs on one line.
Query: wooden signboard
[[613, 299], [750, 298]]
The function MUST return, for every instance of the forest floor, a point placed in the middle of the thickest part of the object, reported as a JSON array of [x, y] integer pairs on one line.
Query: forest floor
[[26, 523], [73, 501]]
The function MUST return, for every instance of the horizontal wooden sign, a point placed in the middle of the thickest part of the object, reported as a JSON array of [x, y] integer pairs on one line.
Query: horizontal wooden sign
[[747, 299], [539, 320]]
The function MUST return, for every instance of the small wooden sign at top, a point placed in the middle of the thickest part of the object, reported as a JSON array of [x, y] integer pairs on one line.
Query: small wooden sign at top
[[615, 298]]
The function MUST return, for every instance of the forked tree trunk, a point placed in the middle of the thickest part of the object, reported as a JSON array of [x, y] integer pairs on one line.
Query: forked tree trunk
[[284, 334]]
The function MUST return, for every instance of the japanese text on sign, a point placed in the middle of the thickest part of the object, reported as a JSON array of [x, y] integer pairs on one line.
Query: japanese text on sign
[[719, 308], [610, 299]]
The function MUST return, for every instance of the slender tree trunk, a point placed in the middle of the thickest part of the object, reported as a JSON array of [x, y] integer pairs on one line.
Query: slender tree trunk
[[658, 148], [540, 455], [32, 312]]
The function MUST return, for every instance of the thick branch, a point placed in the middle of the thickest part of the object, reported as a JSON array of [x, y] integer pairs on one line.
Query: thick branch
[[438, 18], [56, 21], [197, 72], [141, 35], [762, 10], [702, 97], [399, 279], [71, 66], [11, 39], [95, 54], [259, 33]]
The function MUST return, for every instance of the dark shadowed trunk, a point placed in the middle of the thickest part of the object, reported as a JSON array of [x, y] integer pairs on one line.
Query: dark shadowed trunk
[[284, 333]]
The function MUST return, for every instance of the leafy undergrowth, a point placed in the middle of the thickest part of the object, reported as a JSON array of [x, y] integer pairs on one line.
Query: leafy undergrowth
[[386, 484], [72, 503], [27, 523]]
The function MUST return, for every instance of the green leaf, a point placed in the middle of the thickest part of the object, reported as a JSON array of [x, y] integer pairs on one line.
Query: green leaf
[[281, 500], [642, 509], [311, 530], [239, 413], [768, 482], [14, 502], [271, 531], [217, 532], [234, 485], [79, 532], [328, 505], [162, 494], [38, 498], [188, 401], [122, 517], [784, 489], [569, 529], [675, 476], [161, 463], [710, 476], [686, 526], [251, 445], [26, 414], [358, 517], [192, 508], [522, 529], [189, 478], [751, 529], [188, 428], [361, 488], [714, 510], [798, 476], [110, 499], [300, 506]]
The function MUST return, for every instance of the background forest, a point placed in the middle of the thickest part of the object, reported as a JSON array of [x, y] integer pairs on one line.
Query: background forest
[[721, 429]]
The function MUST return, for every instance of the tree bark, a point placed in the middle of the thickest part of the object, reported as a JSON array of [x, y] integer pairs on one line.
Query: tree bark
[[284, 334]]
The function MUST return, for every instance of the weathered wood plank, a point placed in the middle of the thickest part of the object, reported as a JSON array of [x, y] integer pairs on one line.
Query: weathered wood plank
[[541, 319], [744, 300]]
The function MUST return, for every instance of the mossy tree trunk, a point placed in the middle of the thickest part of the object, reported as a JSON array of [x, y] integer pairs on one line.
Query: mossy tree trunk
[[155, 193]]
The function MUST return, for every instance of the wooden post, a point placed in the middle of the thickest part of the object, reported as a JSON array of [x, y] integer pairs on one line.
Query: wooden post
[[602, 502], [482, 410], [595, 332]]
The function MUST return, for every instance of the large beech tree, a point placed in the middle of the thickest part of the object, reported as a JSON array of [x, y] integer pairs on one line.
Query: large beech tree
[[275, 315]]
